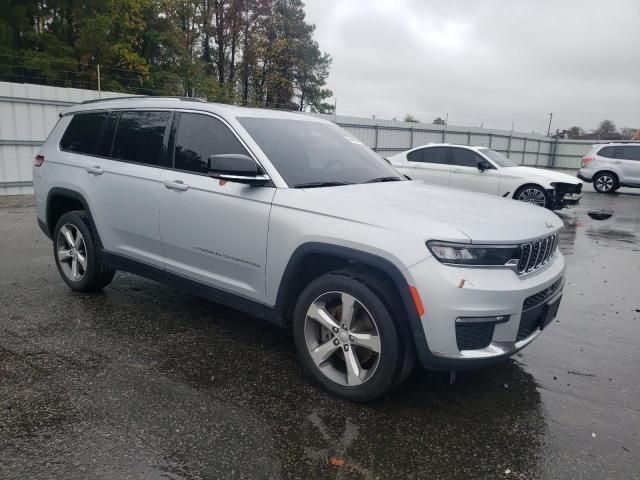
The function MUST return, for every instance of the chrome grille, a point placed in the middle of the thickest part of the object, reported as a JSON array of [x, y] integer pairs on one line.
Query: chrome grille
[[534, 255]]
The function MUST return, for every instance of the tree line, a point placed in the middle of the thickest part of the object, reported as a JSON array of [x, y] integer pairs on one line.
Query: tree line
[[249, 52], [606, 130]]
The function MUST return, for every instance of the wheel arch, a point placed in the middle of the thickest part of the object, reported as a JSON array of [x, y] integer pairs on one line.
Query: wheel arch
[[311, 260], [608, 171], [62, 200], [522, 186]]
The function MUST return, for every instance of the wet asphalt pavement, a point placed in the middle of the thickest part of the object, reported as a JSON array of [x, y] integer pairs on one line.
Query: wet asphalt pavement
[[142, 381]]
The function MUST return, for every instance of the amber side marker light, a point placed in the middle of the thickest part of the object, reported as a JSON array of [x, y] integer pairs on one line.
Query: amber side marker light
[[416, 300]]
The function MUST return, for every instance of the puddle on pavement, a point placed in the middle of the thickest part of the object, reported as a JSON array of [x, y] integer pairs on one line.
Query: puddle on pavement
[[600, 215]]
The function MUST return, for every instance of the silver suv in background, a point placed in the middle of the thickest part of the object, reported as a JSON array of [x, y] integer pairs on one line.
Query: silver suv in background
[[611, 166], [290, 218]]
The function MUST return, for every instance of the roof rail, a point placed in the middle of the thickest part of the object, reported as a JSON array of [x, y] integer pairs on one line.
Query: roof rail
[[137, 97]]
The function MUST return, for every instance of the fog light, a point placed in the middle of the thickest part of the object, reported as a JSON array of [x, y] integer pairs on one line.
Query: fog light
[[496, 319]]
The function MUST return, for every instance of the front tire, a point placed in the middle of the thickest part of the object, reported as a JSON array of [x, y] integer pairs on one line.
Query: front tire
[[533, 194], [346, 337], [605, 182], [77, 256]]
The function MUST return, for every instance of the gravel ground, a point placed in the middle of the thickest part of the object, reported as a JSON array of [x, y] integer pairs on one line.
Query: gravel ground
[[142, 381]]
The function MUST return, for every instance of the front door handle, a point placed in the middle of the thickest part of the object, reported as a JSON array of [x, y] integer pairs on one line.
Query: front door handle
[[96, 170], [457, 171], [617, 162], [176, 185]]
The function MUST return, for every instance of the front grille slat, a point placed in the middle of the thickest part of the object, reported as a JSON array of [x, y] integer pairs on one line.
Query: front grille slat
[[534, 255], [543, 251]]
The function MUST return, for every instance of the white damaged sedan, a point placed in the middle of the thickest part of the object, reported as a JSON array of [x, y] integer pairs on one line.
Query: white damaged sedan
[[481, 169]]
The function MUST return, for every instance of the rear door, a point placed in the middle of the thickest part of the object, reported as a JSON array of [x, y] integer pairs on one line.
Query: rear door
[[121, 181], [429, 164], [628, 162], [213, 231], [466, 175]]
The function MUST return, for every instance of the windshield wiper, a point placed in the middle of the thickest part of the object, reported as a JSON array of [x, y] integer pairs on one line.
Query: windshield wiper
[[384, 179], [321, 184]]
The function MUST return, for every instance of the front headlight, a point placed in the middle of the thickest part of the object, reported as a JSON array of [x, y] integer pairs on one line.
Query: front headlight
[[475, 255]]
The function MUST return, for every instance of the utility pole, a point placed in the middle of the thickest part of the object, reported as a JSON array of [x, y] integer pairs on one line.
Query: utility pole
[[99, 91], [549, 127]]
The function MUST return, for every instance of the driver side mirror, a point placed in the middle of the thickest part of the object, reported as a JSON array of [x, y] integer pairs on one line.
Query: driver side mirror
[[483, 165], [235, 167]]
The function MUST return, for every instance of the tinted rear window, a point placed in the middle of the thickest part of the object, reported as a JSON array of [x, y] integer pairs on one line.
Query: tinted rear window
[[415, 156], [83, 133], [140, 137], [608, 152], [435, 155], [106, 141]]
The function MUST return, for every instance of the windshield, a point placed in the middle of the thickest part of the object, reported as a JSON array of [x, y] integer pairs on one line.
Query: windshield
[[308, 153], [498, 158]]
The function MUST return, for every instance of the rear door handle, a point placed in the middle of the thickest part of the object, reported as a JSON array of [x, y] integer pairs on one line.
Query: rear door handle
[[457, 171], [617, 162], [96, 170], [176, 185]]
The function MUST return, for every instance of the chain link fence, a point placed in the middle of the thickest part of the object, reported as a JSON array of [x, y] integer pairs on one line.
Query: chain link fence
[[28, 112]]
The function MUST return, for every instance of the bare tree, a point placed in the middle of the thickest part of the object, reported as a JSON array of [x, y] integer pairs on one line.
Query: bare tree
[[606, 128], [627, 133]]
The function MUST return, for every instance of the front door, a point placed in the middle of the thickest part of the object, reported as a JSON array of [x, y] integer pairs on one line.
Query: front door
[[466, 175], [212, 231]]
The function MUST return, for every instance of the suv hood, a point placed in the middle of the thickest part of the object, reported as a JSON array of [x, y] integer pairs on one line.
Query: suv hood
[[549, 175], [436, 212]]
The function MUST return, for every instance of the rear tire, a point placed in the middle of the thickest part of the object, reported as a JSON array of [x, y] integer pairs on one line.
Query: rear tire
[[605, 182], [77, 255], [360, 355]]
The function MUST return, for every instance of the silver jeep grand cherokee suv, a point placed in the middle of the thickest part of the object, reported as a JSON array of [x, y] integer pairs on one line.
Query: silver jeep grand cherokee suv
[[290, 218]]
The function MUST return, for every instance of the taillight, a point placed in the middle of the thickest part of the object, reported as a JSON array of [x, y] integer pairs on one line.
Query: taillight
[[39, 160], [586, 160]]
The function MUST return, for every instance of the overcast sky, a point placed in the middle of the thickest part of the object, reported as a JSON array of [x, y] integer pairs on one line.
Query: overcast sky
[[491, 61]]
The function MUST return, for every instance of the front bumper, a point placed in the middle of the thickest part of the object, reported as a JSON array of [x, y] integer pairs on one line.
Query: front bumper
[[450, 293], [564, 195]]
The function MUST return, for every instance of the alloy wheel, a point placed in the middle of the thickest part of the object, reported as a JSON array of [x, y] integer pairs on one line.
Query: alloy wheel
[[534, 196], [604, 183], [72, 252], [342, 338]]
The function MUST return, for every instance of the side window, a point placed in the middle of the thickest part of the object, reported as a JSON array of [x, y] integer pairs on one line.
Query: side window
[[83, 133], [435, 155], [140, 137], [416, 155], [629, 153], [462, 157], [607, 152], [199, 137], [106, 141]]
